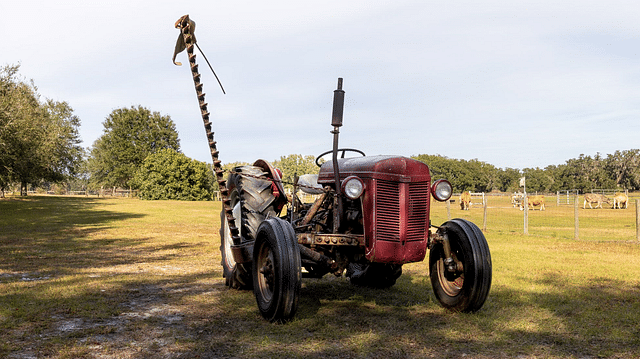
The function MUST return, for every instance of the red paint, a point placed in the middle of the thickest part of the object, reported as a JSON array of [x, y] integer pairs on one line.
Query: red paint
[[395, 205]]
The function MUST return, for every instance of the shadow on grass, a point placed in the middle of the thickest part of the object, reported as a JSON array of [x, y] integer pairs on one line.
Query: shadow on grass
[[68, 283], [336, 320], [40, 233], [136, 309], [190, 316]]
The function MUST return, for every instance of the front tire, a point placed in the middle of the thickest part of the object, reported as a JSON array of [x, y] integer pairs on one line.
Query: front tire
[[466, 288], [277, 274]]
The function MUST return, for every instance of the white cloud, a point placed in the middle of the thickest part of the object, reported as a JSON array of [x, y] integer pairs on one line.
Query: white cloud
[[463, 79]]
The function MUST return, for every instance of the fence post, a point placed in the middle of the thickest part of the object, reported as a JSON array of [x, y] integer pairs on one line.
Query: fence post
[[525, 204], [449, 209], [638, 219], [576, 221], [484, 216]]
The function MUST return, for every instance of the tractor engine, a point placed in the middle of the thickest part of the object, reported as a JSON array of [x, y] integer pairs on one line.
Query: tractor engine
[[386, 199]]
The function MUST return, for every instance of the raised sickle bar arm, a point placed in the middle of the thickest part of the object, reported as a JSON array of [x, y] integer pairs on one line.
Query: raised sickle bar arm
[[186, 27]]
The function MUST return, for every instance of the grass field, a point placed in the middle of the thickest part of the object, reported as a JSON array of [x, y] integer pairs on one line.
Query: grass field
[[123, 278]]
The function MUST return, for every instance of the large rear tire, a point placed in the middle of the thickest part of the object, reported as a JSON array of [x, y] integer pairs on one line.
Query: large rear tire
[[464, 289], [236, 275], [251, 199], [276, 270]]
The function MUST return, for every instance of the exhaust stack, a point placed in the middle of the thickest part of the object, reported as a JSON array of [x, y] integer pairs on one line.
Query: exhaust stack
[[336, 122]]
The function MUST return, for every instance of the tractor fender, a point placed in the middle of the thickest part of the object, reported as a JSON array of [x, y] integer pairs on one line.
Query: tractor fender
[[278, 189]]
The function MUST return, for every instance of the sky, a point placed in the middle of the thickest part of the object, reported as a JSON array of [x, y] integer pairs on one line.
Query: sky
[[517, 84]]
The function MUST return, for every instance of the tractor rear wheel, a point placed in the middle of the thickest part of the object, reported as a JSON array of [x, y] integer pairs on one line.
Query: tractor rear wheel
[[236, 275], [463, 287], [251, 199], [277, 274]]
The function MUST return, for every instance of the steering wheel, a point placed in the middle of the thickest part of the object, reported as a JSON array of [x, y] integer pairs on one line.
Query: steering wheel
[[343, 150]]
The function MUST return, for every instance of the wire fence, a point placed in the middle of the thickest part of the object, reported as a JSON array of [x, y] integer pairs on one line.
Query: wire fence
[[565, 214], [575, 220], [111, 192]]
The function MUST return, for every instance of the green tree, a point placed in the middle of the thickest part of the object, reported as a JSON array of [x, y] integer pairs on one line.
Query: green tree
[[485, 175], [38, 140], [538, 180], [473, 175], [509, 180], [169, 174], [624, 168], [584, 173], [447, 168], [130, 135], [295, 164], [80, 179]]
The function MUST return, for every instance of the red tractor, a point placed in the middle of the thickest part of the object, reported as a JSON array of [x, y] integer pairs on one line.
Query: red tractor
[[370, 216]]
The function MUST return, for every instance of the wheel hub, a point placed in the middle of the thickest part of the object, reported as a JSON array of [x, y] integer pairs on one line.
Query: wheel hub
[[267, 271]]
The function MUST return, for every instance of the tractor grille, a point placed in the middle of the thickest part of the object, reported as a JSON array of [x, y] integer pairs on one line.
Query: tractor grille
[[388, 211], [417, 221], [394, 223]]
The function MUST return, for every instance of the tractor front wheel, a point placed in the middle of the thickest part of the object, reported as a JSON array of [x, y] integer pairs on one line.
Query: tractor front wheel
[[464, 285], [277, 274]]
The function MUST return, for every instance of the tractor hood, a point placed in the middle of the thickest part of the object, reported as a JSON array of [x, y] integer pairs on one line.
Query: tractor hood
[[392, 168]]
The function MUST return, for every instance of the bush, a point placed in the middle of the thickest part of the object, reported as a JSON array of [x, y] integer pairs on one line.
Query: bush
[[169, 174]]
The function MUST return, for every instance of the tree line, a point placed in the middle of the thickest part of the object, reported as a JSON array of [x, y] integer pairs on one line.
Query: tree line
[[619, 170], [39, 138], [140, 149]]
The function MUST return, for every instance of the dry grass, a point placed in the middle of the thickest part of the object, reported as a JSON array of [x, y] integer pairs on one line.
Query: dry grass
[[119, 278]]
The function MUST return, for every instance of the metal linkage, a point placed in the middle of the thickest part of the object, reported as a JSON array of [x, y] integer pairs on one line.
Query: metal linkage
[[283, 182], [184, 24]]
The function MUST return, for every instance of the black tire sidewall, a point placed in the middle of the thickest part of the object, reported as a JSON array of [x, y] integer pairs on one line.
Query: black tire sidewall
[[227, 269], [471, 244], [278, 236]]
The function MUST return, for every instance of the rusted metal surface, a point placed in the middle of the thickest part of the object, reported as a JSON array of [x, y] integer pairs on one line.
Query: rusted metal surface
[[391, 168], [356, 240], [187, 28], [318, 258], [314, 209]]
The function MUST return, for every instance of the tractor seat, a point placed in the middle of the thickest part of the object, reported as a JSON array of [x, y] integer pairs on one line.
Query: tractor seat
[[309, 184]]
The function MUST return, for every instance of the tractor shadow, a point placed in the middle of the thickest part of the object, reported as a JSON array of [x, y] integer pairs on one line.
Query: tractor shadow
[[408, 291]]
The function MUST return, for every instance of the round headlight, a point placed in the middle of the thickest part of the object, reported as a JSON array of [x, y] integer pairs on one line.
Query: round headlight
[[441, 190], [352, 187]]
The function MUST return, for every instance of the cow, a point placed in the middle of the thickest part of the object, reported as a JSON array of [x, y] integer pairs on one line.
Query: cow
[[516, 199], [465, 201], [595, 198], [620, 199], [532, 201]]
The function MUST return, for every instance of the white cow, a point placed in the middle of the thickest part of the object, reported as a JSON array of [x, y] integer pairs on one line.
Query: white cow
[[595, 198], [516, 199], [620, 199]]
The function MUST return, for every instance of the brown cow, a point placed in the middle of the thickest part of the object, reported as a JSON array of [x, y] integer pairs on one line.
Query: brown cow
[[465, 201], [595, 198], [620, 199], [532, 201]]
